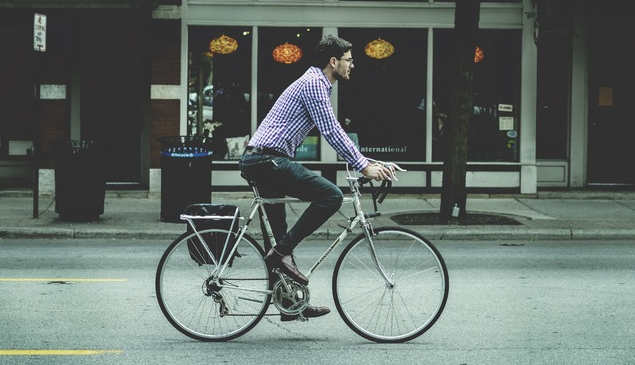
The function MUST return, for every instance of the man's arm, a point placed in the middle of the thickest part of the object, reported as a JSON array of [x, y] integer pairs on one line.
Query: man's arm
[[318, 104], [316, 99]]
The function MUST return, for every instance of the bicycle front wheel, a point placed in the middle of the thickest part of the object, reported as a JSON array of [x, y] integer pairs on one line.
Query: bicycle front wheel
[[374, 308], [207, 306]]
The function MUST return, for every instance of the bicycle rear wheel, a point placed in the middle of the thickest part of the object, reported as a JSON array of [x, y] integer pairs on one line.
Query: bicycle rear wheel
[[374, 309], [204, 306]]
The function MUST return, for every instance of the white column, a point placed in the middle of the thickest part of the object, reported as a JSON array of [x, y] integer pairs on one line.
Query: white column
[[328, 153], [579, 101], [429, 94], [528, 82], [254, 79]]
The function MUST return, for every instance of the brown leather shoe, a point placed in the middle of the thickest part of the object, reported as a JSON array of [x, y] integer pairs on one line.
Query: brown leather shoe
[[308, 312], [286, 264]]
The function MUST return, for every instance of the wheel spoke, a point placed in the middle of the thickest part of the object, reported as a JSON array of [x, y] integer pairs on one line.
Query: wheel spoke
[[192, 299], [385, 313], [418, 272], [363, 294]]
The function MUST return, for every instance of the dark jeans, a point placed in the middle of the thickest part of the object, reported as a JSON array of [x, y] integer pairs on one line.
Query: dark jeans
[[277, 177]]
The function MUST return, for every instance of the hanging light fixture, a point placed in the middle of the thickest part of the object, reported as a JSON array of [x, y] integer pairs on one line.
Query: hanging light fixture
[[287, 53], [478, 55], [379, 49], [223, 45]]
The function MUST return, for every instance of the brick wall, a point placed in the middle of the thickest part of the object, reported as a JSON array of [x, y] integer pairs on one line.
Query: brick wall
[[164, 115], [166, 51], [166, 71], [54, 125], [20, 68]]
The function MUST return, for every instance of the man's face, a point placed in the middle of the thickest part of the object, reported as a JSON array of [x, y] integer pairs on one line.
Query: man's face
[[344, 66]]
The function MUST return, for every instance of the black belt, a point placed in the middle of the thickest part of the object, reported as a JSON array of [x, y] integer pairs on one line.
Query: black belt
[[265, 151]]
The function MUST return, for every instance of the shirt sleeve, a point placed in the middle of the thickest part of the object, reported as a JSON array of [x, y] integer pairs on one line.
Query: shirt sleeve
[[315, 97]]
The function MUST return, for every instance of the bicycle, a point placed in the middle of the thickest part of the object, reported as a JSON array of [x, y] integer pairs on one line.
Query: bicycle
[[389, 284]]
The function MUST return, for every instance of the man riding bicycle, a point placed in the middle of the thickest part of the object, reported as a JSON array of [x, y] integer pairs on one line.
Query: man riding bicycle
[[305, 104]]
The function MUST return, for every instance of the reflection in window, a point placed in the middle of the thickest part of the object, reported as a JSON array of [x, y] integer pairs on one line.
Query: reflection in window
[[283, 56], [383, 104], [493, 133], [218, 87]]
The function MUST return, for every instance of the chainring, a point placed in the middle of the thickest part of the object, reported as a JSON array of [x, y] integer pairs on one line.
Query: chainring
[[290, 302]]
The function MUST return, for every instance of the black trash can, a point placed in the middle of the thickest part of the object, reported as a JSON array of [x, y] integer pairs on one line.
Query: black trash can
[[186, 174], [80, 181]]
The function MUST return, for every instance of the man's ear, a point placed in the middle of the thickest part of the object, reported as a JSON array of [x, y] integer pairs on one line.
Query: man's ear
[[332, 61]]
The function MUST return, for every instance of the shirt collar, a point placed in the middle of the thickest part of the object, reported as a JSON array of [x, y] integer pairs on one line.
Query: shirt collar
[[322, 77]]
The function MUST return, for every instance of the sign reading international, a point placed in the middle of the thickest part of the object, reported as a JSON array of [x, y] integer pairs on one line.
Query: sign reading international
[[39, 32]]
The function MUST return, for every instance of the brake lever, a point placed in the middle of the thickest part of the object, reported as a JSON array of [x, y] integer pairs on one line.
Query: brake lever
[[393, 167], [385, 186]]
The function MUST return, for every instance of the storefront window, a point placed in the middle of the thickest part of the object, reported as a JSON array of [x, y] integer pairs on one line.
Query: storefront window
[[383, 104], [493, 132], [284, 54], [552, 116], [219, 86]]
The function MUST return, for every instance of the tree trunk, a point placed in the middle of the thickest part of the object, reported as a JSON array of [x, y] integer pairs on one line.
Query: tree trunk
[[453, 192]]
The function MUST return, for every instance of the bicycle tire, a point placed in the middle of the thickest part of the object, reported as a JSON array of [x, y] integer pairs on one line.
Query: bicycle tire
[[428, 296], [179, 271]]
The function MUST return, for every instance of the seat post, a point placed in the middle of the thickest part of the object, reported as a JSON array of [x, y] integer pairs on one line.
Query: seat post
[[253, 187]]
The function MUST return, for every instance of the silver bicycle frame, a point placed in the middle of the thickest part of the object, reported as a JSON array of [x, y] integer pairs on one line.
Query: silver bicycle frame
[[258, 204]]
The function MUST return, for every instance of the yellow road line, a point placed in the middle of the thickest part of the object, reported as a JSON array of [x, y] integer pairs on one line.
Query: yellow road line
[[81, 280], [57, 352]]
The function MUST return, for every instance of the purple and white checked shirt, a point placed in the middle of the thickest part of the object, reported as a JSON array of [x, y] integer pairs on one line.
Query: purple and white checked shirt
[[303, 105]]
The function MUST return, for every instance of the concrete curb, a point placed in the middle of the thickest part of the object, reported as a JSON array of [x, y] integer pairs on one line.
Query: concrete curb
[[614, 234], [36, 232], [496, 233]]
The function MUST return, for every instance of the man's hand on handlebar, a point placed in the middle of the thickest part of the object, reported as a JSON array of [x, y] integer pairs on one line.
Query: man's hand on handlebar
[[377, 171]]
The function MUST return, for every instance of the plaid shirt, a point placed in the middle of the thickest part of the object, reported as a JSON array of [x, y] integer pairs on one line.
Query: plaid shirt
[[303, 105]]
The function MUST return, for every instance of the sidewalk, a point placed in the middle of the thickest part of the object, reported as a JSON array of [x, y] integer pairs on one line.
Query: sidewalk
[[553, 215]]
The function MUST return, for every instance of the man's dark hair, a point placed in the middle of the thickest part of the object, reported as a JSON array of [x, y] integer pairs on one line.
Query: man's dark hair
[[330, 46]]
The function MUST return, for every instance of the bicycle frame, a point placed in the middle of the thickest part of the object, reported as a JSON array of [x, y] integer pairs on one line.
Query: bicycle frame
[[258, 204]]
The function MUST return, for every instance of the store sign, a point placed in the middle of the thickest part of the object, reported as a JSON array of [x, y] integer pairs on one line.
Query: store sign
[[39, 32], [505, 108]]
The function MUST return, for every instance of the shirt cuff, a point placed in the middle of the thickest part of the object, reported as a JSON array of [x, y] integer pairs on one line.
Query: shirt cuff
[[360, 164]]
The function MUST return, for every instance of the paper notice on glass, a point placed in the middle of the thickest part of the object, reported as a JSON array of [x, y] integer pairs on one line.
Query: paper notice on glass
[[605, 96], [505, 123]]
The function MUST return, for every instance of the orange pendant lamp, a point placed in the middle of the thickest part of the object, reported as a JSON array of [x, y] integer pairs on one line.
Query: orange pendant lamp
[[223, 45], [478, 55], [287, 53], [379, 49]]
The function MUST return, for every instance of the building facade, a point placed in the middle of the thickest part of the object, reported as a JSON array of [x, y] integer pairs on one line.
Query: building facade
[[549, 89]]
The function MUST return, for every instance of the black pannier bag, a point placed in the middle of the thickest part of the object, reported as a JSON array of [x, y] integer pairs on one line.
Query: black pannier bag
[[214, 240]]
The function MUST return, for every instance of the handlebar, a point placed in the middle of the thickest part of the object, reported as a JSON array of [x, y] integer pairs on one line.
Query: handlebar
[[381, 192]]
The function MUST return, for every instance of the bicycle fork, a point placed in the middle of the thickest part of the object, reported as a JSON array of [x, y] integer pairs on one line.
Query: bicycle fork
[[368, 231]]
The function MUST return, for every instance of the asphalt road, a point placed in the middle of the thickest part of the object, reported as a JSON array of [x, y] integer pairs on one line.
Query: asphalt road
[[512, 302]]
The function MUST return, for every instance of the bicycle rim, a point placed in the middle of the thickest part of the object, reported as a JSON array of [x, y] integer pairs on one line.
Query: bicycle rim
[[184, 295], [382, 313]]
